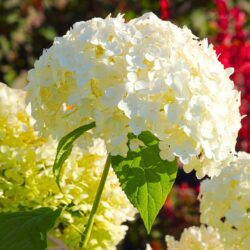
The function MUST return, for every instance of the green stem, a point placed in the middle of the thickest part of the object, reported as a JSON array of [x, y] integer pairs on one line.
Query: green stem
[[87, 232]]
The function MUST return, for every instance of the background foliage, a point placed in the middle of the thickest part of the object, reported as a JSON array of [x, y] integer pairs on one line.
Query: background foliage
[[29, 26]]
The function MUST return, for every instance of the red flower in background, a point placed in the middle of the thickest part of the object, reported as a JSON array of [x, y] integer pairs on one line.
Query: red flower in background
[[164, 5], [233, 48]]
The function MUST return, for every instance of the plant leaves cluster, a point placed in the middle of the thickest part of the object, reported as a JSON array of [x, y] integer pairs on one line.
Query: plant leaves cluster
[[26, 230], [145, 178]]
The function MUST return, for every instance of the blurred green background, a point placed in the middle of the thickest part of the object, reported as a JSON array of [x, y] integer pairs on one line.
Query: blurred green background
[[29, 26]]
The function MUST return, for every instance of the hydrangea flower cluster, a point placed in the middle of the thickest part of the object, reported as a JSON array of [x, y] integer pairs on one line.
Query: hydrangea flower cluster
[[225, 203], [143, 75], [27, 180], [13, 122], [196, 238]]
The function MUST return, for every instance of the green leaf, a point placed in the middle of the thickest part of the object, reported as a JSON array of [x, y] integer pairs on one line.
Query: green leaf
[[145, 177], [65, 147], [26, 230]]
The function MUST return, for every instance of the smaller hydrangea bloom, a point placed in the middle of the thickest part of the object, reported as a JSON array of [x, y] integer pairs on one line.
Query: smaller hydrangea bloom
[[196, 238], [225, 203], [27, 180]]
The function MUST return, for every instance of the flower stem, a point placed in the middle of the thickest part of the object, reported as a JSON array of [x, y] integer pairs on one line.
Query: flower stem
[[87, 232]]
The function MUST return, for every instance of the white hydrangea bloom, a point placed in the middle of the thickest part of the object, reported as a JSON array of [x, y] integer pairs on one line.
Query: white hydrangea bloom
[[196, 238], [27, 180], [145, 74], [225, 203]]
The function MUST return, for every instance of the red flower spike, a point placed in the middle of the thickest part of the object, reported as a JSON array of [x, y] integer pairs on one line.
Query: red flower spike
[[164, 5]]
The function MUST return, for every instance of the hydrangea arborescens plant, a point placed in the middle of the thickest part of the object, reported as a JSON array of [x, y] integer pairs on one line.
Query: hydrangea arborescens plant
[[151, 91], [143, 75], [225, 203], [27, 181]]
